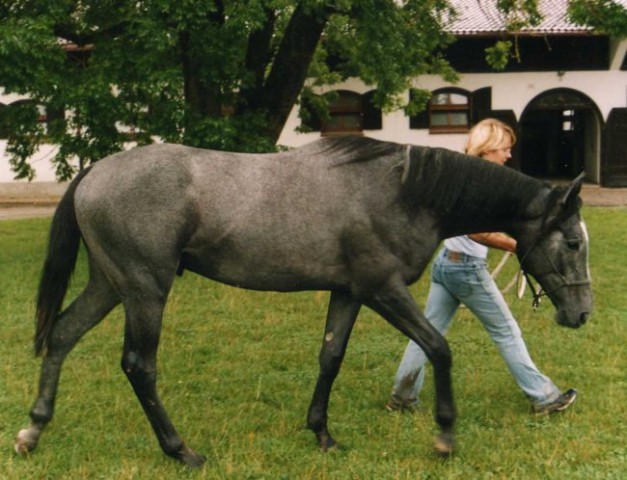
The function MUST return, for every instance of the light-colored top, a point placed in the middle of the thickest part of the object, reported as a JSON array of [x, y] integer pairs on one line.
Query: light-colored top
[[465, 245]]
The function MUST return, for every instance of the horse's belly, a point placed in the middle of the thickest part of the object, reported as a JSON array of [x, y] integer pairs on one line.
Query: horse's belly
[[275, 272]]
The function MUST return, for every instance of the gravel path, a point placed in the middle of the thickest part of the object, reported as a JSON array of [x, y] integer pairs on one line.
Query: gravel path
[[14, 212]]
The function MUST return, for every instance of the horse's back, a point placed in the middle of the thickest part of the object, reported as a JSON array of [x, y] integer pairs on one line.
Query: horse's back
[[284, 215], [167, 168]]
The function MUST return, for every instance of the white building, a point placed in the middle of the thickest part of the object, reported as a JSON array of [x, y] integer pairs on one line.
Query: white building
[[566, 97]]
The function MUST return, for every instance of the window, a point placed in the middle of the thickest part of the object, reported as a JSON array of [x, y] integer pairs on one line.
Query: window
[[449, 112], [340, 112], [568, 120], [345, 114]]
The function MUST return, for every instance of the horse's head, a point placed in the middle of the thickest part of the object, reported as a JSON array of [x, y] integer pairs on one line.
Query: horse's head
[[553, 247]]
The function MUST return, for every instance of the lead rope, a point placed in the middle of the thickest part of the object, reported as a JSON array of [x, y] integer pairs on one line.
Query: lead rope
[[536, 294], [521, 279]]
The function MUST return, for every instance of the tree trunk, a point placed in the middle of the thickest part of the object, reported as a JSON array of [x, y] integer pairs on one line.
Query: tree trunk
[[289, 69], [198, 97]]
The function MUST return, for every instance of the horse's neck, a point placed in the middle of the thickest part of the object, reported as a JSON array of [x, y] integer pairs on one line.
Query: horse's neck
[[471, 220], [471, 195], [489, 210]]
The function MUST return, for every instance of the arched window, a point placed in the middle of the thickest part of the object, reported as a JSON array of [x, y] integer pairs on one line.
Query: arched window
[[345, 113], [449, 111]]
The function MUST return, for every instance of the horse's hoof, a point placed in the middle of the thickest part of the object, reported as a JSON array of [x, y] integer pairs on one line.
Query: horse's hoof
[[192, 459], [326, 443], [25, 441], [330, 447], [443, 445]]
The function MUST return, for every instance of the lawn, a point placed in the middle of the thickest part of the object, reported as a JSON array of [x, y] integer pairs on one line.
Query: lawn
[[237, 370]]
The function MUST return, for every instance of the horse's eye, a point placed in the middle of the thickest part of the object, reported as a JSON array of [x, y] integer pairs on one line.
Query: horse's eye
[[572, 244]]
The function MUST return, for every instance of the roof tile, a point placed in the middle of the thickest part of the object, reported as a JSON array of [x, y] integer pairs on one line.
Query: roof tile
[[482, 16]]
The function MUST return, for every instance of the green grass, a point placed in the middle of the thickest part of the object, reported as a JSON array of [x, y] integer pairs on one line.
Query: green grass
[[237, 371]]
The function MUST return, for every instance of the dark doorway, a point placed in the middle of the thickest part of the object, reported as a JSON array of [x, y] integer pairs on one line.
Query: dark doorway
[[560, 137]]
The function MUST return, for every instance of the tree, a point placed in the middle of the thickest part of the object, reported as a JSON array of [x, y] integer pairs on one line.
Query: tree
[[221, 74], [605, 16]]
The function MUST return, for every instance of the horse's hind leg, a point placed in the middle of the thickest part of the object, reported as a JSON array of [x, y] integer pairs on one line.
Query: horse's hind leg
[[144, 313], [89, 308], [342, 312]]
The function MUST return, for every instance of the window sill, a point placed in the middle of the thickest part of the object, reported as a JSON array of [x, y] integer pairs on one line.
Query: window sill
[[448, 130], [339, 133]]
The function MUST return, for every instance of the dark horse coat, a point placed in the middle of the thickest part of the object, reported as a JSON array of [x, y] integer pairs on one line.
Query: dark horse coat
[[354, 216]]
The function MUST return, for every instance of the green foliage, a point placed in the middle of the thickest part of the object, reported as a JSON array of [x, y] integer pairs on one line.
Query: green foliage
[[498, 55], [418, 99], [214, 74], [243, 133], [197, 72], [237, 370], [388, 46], [24, 133], [606, 16]]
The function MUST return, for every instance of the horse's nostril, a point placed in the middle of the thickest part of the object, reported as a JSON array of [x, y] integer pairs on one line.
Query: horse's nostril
[[583, 318]]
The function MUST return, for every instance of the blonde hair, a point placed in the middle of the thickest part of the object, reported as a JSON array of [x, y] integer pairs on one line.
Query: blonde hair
[[489, 134]]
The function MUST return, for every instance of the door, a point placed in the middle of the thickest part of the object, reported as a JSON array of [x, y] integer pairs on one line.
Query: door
[[614, 151]]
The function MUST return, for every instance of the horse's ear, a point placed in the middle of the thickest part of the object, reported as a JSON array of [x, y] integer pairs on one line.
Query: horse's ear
[[568, 202], [571, 197]]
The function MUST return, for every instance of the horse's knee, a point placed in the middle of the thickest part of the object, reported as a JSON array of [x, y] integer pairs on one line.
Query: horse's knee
[[330, 364], [331, 355], [135, 368]]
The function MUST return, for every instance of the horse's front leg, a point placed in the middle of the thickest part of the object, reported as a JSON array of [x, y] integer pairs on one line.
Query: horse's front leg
[[342, 312], [394, 303]]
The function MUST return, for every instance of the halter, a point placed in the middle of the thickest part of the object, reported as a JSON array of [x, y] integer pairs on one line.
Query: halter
[[537, 294]]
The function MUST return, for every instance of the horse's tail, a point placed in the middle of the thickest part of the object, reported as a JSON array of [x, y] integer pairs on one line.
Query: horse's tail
[[63, 245]]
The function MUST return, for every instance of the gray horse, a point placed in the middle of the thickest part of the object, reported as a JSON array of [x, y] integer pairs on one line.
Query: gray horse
[[353, 216]]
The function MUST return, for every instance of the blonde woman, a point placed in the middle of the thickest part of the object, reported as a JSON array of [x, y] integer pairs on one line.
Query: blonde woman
[[460, 275]]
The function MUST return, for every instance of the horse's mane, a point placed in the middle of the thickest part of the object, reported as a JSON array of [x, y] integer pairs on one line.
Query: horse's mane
[[452, 183], [463, 186], [348, 149]]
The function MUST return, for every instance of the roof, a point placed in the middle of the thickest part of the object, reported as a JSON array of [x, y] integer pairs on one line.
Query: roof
[[483, 17]]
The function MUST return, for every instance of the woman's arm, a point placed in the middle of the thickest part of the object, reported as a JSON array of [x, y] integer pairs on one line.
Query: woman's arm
[[495, 240]]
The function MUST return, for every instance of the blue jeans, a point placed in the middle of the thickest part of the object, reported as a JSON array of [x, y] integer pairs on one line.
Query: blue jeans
[[468, 281]]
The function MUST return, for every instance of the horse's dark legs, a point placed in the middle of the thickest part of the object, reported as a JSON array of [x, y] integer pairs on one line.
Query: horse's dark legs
[[84, 313], [139, 362], [342, 312], [396, 305]]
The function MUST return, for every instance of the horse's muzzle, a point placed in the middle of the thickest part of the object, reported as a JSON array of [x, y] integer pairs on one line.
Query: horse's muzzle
[[571, 319]]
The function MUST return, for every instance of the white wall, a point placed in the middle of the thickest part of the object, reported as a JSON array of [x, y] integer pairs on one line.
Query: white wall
[[510, 91], [40, 162]]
